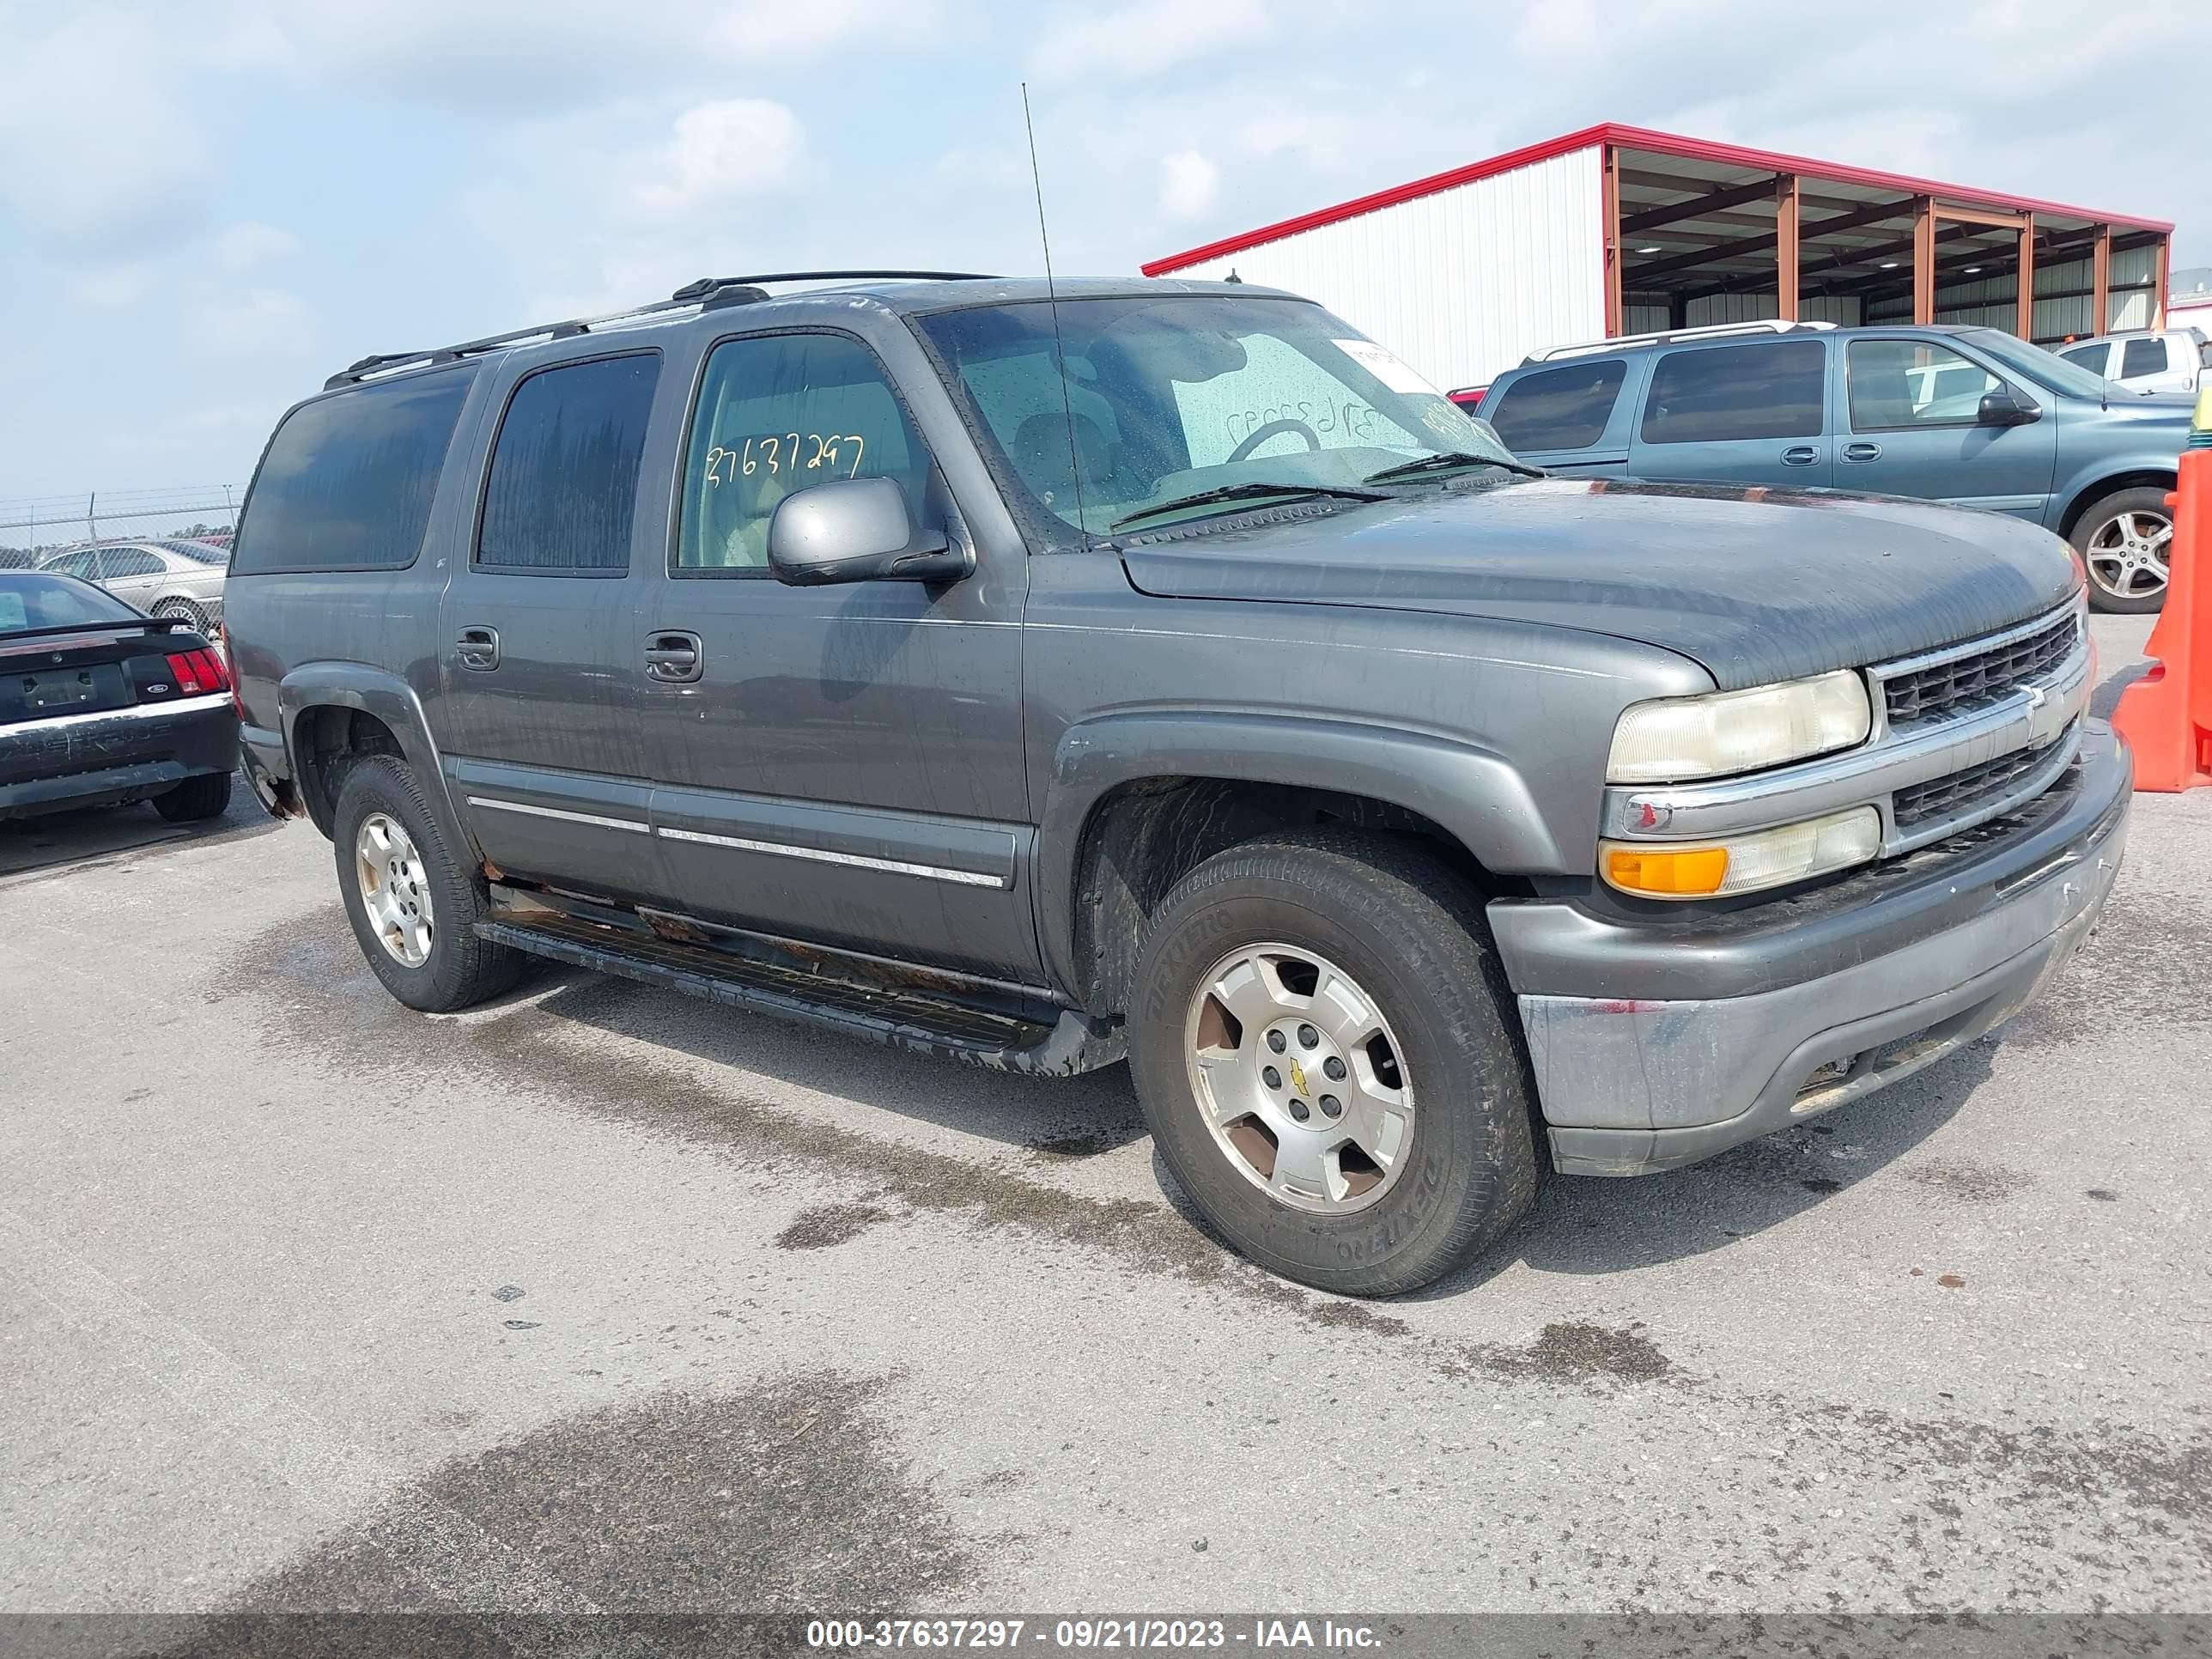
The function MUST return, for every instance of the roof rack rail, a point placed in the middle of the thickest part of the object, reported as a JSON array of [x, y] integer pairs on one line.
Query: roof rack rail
[[708, 294], [1669, 336]]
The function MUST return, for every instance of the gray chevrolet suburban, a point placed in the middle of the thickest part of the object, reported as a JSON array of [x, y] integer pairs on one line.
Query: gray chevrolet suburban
[[1163, 669]]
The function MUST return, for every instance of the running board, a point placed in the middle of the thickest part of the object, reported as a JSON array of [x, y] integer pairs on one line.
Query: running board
[[1056, 1044]]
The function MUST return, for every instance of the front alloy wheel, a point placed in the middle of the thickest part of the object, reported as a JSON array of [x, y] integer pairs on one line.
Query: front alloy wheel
[[1299, 1079], [2127, 555]]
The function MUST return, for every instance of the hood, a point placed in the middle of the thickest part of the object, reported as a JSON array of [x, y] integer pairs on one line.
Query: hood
[[1756, 585]]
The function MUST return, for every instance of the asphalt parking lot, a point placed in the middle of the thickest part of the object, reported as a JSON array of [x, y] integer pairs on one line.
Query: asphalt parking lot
[[599, 1297]]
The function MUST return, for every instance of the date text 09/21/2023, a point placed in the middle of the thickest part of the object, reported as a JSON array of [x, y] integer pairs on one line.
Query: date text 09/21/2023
[[1100, 1633]]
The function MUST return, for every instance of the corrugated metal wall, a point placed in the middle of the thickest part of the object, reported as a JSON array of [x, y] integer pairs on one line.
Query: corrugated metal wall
[[1462, 284], [1712, 308], [1991, 302]]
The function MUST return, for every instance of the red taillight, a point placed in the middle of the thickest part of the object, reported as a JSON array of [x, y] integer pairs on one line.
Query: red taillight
[[198, 673]]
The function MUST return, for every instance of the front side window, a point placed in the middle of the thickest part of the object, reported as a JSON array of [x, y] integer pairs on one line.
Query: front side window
[[564, 470], [348, 481], [1899, 384], [1723, 394], [779, 413], [1566, 408], [2143, 357], [1125, 409], [83, 566]]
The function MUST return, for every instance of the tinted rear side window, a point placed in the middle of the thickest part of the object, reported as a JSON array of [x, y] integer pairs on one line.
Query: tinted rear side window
[[1724, 393], [564, 470], [1559, 407], [2091, 358], [2143, 357], [348, 481]]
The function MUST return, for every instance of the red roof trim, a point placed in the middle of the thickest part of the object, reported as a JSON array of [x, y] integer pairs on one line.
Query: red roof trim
[[1625, 138]]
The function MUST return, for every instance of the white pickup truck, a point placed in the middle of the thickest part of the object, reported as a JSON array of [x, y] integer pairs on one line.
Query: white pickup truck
[[2175, 359]]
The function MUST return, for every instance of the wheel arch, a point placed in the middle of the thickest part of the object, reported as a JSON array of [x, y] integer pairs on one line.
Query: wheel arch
[[2081, 497], [332, 711], [1136, 801]]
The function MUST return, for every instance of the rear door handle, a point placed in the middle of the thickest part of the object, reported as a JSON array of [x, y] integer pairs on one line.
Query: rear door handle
[[1802, 455], [674, 658], [1861, 452], [477, 648]]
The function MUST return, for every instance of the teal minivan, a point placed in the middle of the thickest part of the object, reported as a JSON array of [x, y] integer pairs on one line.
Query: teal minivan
[[1969, 416]]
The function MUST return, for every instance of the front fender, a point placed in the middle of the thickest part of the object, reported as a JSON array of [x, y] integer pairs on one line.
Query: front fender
[[1477, 796], [384, 694]]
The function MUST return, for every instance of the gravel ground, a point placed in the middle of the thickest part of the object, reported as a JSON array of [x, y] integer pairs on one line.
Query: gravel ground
[[602, 1299]]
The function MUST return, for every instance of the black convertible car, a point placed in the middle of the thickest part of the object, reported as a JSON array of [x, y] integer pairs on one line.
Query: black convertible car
[[101, 705]]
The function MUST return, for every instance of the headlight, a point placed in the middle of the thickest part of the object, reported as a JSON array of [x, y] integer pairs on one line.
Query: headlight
[[1727, 732], [1741, 864]]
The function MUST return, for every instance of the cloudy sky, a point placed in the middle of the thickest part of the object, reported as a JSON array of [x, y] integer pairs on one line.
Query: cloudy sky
[[208, 205]]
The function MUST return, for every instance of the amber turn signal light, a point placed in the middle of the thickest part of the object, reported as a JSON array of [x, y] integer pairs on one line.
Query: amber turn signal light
[[1677, 872]]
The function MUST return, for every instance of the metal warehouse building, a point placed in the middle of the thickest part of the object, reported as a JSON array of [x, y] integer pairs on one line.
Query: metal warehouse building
[[1619, 230]]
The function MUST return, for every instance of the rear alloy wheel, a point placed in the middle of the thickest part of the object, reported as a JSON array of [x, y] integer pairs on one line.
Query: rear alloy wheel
[[414, 906], [1327, 1055], [395, 890], [2126, 540]]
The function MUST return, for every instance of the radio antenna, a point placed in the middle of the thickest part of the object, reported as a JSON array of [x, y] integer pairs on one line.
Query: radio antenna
[[1052, 300]]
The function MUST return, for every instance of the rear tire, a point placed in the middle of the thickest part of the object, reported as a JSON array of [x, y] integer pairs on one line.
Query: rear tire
[[2125, 540], [1402, 941], [204, 797], [443, 898]]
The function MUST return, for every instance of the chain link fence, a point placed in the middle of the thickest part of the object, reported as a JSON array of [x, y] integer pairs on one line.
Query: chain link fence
[[33, 527]]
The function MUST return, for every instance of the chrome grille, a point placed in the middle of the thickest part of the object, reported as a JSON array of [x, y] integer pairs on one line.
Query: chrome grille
[[1960, 683], [1963, 791]]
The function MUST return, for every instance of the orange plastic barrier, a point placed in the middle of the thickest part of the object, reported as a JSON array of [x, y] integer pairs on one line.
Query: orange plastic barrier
[[2167, 716]]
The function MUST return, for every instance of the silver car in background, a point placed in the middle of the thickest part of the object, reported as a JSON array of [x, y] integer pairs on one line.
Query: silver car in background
[[162, 577]]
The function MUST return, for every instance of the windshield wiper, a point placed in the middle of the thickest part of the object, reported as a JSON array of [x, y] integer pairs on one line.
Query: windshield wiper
[[1449, 458], [1243, 492]]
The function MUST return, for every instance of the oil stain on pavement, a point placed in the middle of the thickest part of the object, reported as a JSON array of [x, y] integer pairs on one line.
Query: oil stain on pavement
[[786, 1498]]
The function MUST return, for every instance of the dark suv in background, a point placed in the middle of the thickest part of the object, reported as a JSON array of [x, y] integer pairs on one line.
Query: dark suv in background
[[1028, 677], [1968, 417]]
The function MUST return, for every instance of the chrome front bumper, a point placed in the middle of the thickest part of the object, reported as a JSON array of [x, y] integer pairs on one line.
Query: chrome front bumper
[[1657, 1045]]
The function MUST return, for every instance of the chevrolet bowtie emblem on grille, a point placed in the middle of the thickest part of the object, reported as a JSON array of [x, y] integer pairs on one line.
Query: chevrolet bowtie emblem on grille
[[2037, 697], [1297, 1076]]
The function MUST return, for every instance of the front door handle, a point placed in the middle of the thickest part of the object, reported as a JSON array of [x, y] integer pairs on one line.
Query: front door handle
[[1802, 455], [1861, 452], [477, 648], [674, 658]]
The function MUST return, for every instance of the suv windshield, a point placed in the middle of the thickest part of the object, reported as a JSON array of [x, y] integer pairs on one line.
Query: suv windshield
[[2045, 369], [1187, 395]]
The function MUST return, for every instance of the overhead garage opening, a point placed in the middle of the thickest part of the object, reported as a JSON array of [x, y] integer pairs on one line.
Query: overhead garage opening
[[1703, 235]]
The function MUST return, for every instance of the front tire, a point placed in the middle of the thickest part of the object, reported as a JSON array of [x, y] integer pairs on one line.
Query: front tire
[[413, 905], [2125, 540], [1371, 959]]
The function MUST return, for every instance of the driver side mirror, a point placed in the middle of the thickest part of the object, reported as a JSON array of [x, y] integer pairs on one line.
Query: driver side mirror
[[856, 530], [2002, 408]]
